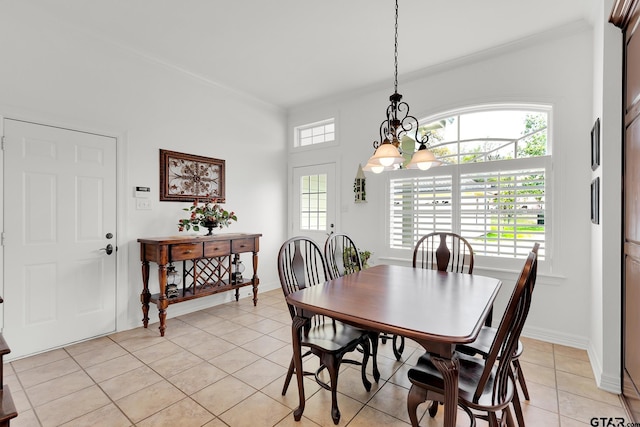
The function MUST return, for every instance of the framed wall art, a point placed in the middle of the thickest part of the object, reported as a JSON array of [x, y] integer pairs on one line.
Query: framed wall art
[[595, 201], [187, 177], [595, 145]]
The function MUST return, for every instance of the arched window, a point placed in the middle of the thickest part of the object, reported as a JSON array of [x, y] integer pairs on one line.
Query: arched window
[[492, 189]]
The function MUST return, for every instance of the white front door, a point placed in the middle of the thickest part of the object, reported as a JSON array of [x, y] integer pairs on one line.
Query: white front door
[[314, 202], [59, 217]]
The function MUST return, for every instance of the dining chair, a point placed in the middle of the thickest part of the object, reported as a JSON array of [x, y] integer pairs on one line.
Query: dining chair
[[486, 387], [301, 264], [343, 257], [482, 346], [443, 251]]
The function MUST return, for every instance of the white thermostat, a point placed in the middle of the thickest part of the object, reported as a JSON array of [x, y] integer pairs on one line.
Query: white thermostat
[[142, 192]]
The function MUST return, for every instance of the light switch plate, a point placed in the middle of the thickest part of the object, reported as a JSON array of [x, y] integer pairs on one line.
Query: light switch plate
[[143, 204]]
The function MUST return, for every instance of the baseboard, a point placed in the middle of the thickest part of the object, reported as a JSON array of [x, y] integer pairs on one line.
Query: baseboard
[[556, 337], [612, 384], [606, 382]]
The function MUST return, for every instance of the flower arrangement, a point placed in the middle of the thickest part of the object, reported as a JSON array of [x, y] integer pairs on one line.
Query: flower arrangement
[[208, 214]]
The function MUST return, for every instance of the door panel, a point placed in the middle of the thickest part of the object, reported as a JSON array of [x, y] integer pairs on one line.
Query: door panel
[[631, 285], [632, 182], [626, 16], [60, 203], [631, 281], [632, 317], [632, 69]]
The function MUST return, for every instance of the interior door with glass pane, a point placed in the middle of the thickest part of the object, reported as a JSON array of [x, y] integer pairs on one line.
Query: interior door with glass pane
[[314, 202]]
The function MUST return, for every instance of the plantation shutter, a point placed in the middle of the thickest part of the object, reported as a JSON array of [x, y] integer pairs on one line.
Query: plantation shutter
[[502, 212], [419, 206]]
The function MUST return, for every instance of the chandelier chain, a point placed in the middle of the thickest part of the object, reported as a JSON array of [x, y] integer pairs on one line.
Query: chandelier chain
[[395, 57]]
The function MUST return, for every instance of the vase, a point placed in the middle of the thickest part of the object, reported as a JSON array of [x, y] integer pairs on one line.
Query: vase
[[210, 225]]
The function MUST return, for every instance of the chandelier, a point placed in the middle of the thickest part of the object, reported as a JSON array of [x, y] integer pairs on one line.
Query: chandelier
[[388, 155]]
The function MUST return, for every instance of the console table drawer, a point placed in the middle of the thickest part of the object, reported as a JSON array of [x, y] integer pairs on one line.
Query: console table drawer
[[212, 249], [186, 251], [243, 245]]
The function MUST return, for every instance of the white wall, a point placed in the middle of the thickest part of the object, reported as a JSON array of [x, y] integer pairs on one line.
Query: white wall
[[53, 74], [605, 345], [554, 68]]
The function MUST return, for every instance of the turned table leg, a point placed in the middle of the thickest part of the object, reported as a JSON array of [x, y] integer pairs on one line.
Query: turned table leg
[[254, 280], [163, 302], [296, 330], [449, 368], [145, 295]]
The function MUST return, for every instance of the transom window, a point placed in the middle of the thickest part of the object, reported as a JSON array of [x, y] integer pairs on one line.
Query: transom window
[[315, 133], [492, 189]]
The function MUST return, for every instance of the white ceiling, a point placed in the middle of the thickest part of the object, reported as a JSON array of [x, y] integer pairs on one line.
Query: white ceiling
[[287, 52]]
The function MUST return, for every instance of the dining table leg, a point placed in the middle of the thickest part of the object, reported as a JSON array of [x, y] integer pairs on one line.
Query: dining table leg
[[449, 368], [296, 329]]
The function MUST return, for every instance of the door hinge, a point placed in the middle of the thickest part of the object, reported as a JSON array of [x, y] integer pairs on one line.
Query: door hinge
[[2, 143], [2, 239]]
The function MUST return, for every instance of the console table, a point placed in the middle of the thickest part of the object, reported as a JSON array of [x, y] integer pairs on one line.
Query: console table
[[206, 268]]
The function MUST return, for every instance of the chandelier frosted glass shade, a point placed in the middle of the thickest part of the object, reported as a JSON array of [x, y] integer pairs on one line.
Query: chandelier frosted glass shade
[[423, 159], [386, 155], [370, 167]]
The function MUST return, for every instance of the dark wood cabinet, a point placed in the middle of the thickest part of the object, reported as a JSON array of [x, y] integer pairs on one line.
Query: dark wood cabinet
[[7, 407], [626, 15], [206, 266]]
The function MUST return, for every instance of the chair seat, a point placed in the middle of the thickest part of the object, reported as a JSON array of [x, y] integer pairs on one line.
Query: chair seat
[[482, 344], [332, 339], [427, 376]]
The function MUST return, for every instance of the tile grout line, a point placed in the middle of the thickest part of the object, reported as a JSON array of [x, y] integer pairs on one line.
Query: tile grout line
[[99, 386], [260, 318]]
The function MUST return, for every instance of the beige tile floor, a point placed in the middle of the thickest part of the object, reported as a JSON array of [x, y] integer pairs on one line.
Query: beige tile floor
[[225, 366]]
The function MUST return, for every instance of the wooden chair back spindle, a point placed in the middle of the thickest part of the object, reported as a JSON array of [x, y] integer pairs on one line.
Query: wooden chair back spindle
[[300, 264], [444, 251], [342, 255]]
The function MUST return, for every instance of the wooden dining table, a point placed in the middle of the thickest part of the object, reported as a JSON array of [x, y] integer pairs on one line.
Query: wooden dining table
[[438, 310]]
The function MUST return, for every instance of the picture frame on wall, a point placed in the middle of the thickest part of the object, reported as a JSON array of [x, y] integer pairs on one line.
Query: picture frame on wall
[[188, 177], [595, 145], [595, 201]]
